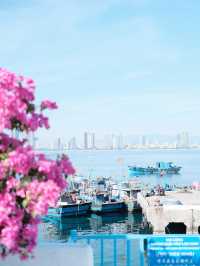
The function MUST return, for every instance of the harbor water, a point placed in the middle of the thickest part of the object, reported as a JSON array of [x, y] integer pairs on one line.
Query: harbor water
[[114, 163]]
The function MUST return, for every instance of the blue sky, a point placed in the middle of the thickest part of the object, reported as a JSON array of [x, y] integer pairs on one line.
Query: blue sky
[[129, 66]]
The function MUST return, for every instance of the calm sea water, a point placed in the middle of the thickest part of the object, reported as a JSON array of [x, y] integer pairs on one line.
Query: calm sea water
[[115, 164]]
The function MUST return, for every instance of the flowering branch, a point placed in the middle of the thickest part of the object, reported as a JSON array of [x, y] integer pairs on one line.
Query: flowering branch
[[29, 182]]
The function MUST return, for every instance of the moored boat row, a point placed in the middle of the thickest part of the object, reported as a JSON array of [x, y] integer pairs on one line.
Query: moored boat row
[[100, 196], [104, 195]]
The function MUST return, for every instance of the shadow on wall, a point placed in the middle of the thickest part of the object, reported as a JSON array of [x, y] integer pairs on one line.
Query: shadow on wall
[[176, 228]]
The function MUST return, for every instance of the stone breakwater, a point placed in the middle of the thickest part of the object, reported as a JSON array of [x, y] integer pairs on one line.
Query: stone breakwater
[[175, 212]]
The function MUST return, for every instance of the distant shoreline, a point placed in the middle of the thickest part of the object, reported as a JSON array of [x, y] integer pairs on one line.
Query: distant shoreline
[[133, 149]]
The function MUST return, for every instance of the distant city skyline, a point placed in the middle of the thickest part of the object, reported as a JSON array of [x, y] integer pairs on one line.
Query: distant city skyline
[[128, 66], [92, 141]]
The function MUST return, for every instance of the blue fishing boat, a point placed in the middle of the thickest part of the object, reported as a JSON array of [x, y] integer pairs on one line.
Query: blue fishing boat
[[70, 205], [65, 209], [109, 207], [104, 203], [161, 168]]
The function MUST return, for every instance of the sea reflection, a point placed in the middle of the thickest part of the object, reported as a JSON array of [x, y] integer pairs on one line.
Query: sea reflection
[[59, 229]]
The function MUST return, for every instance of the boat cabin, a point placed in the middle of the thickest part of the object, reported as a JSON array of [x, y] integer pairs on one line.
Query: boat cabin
[[164, 165]]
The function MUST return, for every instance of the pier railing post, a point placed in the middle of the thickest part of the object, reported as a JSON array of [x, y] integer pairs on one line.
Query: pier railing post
[[115, 252], [128, 253], [73, 236], [141, 252], [102, 251]]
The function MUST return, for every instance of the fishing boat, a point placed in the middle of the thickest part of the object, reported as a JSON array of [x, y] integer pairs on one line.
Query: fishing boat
[[65, 209], [104, 203], [70, 205], [161, 168], [129, 191], [109, 206]]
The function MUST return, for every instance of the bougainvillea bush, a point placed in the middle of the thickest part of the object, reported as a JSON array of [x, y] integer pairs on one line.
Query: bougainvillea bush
[[29, 182]]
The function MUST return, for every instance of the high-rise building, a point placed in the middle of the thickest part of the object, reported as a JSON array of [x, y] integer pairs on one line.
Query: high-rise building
[[120, 143], [183, 140], [114, 142], [59, 144], [117, 141], [89, 140], [143, 141], [93, 141], [108, 142], [85, 146], [72, 144]]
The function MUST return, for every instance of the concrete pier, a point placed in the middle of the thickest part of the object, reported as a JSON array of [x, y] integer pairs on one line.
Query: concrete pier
[[176, 212]]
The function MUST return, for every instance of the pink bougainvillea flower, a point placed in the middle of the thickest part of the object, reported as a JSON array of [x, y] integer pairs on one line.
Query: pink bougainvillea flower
[[48, 105], [30, 183]]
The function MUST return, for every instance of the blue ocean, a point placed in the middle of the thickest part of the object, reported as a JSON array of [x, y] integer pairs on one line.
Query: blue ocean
[[115, 163]]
